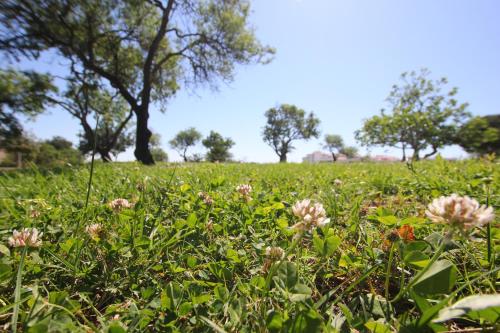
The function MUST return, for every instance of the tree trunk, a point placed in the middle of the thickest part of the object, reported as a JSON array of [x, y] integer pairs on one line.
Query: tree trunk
[[143, 135], [403, 159], [105, 156], [416, 156], [283, 158], [334, 157]]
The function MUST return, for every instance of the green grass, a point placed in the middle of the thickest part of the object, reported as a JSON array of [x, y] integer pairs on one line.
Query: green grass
[[173, 263]]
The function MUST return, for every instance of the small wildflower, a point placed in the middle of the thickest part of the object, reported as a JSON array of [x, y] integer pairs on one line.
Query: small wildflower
[[34, 213], [118, 204], [210, 224], [461, 212], [275, 253], [338, 182], [207, 200], [27, 237], [244, 190], [406, 233], [94, 230], [311, 215]]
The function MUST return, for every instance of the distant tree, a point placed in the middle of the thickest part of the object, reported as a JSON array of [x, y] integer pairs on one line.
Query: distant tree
[[57, 152], [286, 124], [60, 143], [422, 117], [143, 49], [334, 143], [21, 93], [158, 153], [481, 135], [349, 151], [86, 100], [185, 139], [218, 147]]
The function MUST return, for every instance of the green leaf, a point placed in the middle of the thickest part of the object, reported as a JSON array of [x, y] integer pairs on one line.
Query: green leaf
[[286, 275], [191, 220], [485, 307], [377, 327], [389, 220], [300, 293], [439, 279], [326, 247], [416, 258], [307, 321], [274, 321]]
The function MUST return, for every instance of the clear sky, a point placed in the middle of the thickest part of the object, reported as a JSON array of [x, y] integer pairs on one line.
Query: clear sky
[[338, 59]]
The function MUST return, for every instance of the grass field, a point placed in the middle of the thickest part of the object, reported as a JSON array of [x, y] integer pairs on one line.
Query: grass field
[[180, 260]]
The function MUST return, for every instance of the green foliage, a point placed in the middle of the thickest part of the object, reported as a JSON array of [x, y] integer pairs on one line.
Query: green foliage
[[174, 263], [422, 117], [481, 135], [184, 140], [218, 147], [286, 124], [27, 93], [334, 143], [143, 49]]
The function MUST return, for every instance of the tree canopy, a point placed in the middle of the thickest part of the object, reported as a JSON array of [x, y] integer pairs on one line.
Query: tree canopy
[[481, 135], [184, 140], [218, 147], [333, 143], [21, 92], [144, 50], [288, 123], [422, 117]]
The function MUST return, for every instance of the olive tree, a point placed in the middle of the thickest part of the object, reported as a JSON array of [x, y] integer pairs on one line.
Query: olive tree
[[285, 124], [184, 140], [422, 117], [144, 50]]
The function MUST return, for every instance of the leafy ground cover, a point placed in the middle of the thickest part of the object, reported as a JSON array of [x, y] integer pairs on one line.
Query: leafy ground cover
[[189, 250]]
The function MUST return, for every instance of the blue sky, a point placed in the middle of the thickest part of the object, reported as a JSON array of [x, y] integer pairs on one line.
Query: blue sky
[[338, 59]]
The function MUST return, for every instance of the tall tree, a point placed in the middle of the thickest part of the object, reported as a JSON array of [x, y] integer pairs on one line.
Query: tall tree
[[422, 116], [288, 123], [21, 93], [85, 100], [143, 49], [184, 140], [334, 143], [481, 135], [218, 147]]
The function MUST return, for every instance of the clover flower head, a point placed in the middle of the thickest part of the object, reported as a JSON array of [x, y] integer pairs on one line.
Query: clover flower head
[[207, 199], [94, 230], [275, 253], [244, 190], [29, 237], [459, 212], [337, 182], [311, 215], [118, 204]]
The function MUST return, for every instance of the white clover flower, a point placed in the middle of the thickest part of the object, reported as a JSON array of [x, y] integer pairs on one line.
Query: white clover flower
[[244, 190], [275, 253], [27, 237], [118, 204], [207, 200], [462, 212], [338, 182], [311, 215], [94, 230]]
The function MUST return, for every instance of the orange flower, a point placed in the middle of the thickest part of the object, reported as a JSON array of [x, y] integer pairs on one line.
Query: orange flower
[[406, 233]]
